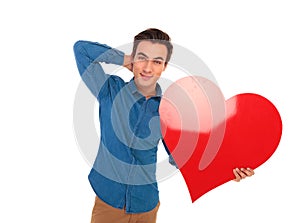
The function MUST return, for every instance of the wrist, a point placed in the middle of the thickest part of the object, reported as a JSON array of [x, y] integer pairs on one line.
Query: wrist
[[127, 60]]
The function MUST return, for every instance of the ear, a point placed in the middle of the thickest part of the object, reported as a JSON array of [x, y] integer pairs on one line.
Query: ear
[[165, 66]]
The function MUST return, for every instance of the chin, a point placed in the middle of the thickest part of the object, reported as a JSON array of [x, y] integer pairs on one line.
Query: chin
[[146, 83]]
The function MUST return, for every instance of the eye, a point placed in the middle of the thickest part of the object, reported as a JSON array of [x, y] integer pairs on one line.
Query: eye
[[141, 58], [158, 62]]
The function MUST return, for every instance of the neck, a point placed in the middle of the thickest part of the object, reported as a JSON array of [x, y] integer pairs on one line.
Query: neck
[[147, 92]]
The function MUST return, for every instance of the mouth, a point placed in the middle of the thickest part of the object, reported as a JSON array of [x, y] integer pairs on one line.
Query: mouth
[[146, 77]]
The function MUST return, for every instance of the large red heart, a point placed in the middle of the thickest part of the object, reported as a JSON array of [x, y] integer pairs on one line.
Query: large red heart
[[209, 137]]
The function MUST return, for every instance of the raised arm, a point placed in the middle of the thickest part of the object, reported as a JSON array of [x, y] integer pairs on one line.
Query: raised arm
[[88, 56]]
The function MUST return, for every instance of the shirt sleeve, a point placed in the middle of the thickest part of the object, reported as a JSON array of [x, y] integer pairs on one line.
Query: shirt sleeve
[[88, 57], [171, 159]]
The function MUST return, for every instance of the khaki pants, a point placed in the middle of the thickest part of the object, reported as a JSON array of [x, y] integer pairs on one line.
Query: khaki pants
[[104, 213]]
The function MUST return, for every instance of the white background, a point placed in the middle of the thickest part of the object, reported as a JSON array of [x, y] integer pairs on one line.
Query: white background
[[250, 46]]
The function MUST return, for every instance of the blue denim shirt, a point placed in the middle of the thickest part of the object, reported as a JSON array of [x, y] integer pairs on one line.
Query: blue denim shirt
[[123, 174]]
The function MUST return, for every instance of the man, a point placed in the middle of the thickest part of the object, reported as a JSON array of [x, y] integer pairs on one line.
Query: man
[[123, 174]]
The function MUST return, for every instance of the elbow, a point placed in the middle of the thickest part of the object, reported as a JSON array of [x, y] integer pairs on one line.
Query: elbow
[[78, 46]]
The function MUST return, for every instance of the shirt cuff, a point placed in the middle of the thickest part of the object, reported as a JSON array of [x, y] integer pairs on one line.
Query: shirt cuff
[[112, 56], [172, 161]]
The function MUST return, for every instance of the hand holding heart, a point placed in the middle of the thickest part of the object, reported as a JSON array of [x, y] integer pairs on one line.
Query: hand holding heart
[[242, 173], [209, 137]]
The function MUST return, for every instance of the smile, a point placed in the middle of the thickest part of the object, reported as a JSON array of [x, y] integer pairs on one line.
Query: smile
[[146, 77]]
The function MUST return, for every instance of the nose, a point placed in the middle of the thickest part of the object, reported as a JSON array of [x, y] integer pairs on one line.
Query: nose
[[147, 66]]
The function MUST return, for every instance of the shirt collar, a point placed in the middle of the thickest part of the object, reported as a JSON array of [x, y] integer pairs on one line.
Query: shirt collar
[[133, 89]]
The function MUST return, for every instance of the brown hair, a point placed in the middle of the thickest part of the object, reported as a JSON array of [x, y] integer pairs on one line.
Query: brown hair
[[155, 36]]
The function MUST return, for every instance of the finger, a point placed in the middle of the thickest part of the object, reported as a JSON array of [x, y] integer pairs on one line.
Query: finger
[[237, 176], [249, 172], [241, 172]]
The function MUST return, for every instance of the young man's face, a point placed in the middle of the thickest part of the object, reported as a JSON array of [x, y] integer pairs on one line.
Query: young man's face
[[148, 63]]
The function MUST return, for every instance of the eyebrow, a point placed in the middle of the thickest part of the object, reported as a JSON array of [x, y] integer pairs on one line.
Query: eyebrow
[[155, 58]]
